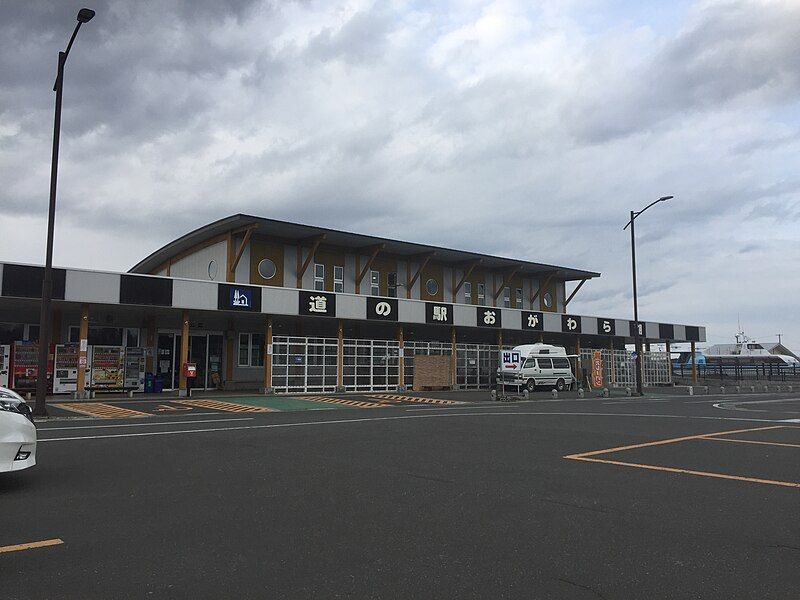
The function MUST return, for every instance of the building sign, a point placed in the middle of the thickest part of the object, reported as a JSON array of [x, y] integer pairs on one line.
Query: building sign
[[570, 324], [239, 297], [637, 329], [666, 332], [532, 320], [489, 317], [606, 327], [441, 314], [317, 304], [597, 369], [382, 309]]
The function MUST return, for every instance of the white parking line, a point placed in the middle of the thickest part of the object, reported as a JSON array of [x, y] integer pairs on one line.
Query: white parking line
[[145, 424], [396, 418]]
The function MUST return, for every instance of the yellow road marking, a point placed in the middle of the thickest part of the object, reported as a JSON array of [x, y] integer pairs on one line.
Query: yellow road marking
[[669, 441], [31, 545], [719, 439], [344, 401], [688, 472], [224, 406], [584, 456], [99, 409], [416, 399]]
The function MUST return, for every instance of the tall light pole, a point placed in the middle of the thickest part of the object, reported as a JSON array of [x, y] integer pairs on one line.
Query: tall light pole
[[84, 16], [637, 338]]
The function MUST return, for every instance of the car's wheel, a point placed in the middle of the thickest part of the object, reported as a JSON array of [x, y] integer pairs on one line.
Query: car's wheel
[[561, 385], [531, 385]]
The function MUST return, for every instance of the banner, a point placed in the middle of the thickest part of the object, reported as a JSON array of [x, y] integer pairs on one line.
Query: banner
[[597, 369]]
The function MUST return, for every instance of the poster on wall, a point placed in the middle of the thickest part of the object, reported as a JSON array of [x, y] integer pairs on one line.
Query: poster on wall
[[108, 367]]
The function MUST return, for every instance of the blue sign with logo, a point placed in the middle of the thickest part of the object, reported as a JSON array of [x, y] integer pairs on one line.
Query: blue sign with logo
[[239, 297]]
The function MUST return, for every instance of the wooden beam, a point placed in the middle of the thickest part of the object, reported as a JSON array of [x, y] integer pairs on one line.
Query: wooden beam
[[541, 287], [467, 273], [248, 232], [375, 249], [575, 291], [506, 280], [316, 241], [410, 281]]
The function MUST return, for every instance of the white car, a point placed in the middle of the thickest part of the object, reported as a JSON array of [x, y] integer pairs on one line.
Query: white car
[[538, 365], [17, 433]]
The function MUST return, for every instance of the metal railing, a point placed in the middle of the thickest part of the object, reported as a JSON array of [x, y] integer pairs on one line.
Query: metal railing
[[738, 372]]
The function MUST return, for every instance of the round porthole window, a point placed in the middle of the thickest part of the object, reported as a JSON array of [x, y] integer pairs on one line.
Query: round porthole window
[[432, 287], [213, 270], [547, 299], [267, 269]]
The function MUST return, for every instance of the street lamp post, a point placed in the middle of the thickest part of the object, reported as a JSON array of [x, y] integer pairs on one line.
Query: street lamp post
[[637, 338], [84, 16]]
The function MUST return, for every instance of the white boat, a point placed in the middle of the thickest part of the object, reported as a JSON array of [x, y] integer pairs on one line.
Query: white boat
[[748, 351]]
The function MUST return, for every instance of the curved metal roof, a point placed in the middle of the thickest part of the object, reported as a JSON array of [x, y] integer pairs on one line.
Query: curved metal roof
[[296, 231]]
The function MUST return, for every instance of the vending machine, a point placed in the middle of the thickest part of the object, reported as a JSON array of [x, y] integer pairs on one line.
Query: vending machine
[[108, 367], [5, 364], [65, 371], [25, 367], [134, 369]]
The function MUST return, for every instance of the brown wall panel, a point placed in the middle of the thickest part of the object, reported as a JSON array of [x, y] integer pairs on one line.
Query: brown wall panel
[[432, 271], [261, 248]]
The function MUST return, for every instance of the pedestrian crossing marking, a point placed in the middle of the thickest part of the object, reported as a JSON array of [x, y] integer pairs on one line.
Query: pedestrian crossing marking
[[416, 399], [224, 406], [99, 409], [344, 401]]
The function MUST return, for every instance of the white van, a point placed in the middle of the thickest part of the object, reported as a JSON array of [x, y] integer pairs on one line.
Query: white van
[[539, 365]]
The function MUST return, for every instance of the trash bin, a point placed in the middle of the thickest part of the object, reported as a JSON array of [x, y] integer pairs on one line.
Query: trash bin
[[149, 383], [158, 385]]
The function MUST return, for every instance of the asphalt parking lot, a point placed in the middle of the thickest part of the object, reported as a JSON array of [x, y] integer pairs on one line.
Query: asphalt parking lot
[[662, 497]]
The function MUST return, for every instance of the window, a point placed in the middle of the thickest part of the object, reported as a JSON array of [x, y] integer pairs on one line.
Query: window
[[213, 270], [131, 338], [467, 292], [560, 363], [507, 297], [547, 300], [545, 363], [338, 279], [391, 285], [251, 350], [529, 363], [519, 298], [267, 269], [375, 283], [482, 294], [106, 336], [432, 287], [319, 277]]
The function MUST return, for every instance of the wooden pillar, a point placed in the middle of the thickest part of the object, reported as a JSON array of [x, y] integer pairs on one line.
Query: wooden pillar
[[340, 356], [151, 345], [83, 346], [184, 356], [668, 351], [401, 362], [500, 339], [268, 358], [694, 364], [453, 358], [578, 362]]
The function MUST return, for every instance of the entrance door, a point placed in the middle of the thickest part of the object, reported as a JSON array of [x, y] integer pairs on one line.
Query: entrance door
[[198, 354], [165, 364]]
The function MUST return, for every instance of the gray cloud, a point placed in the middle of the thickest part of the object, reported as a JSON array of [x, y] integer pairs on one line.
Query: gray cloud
[[508, 129]]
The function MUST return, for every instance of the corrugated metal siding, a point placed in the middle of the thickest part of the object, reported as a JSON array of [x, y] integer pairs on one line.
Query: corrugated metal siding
[[195, 266]]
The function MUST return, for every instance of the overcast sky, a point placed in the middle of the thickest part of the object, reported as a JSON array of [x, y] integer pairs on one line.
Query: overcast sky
[[520, 128]]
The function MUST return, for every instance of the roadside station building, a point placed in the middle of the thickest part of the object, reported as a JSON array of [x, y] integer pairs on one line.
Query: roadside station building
[[257, 303]]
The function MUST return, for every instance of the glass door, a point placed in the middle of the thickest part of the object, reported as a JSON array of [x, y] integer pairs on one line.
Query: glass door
[[198, 354], [165, 364], [215, 351]]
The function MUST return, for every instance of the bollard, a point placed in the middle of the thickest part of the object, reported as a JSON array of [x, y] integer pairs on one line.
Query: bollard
[[691, 391], [494, 395], [526, 394], [606, 393], [777, 388], [752, 389], [628, 391], [737, 389], [705, 390], [722, 389], [130, 393], [788, 388], [555, 393], [580, 393], [766, 388]]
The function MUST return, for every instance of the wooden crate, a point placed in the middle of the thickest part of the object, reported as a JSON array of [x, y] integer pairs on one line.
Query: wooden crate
[[432, 372]]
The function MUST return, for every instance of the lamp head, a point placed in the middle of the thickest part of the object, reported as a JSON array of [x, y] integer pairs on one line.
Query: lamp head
[[665, 198], [85, 15]]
